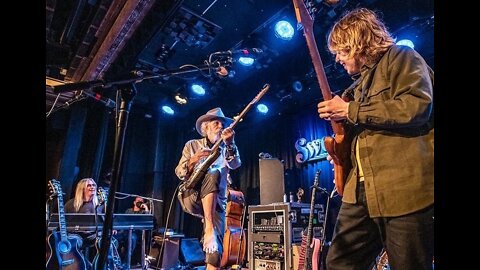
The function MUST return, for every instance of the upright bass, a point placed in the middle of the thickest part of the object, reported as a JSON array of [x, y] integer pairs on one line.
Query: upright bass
[[234, 243], [338, 147]]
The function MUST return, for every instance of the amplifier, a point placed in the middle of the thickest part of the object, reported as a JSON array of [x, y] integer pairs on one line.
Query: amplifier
[[272, 229], [267, 265]]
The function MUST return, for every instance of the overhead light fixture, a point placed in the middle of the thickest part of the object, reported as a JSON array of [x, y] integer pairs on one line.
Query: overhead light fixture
[[198, 89], [297, 86], [192, 29], [168, 110], [262, 108], [406, 42], [181, 99], [284, 30]]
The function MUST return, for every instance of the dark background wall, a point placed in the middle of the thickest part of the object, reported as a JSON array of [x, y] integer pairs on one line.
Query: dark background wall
[[80, 144]]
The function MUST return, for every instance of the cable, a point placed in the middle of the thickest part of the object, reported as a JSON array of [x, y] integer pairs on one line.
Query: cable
[[53, 105], [166, 226]]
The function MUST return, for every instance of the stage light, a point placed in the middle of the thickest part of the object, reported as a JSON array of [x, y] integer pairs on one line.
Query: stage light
[[246, 61], [180, 99], [406, 42], [297, 86], [284, 30], [168, 110], [198, 89], [262, 108]]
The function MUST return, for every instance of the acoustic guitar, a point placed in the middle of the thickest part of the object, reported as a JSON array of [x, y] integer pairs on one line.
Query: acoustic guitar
[[64, 248], [338, 147]]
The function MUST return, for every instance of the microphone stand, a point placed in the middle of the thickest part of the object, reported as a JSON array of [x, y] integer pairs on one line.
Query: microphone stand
[[126, 91], [143, 197]]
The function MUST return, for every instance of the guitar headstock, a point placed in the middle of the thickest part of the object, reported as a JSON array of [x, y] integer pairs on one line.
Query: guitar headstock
[[305, 13], [55, 188], [102, 195], [261, 93]]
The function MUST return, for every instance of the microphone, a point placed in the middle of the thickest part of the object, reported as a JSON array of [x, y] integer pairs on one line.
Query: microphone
[[242, 52], [222, 71], [105, 100]]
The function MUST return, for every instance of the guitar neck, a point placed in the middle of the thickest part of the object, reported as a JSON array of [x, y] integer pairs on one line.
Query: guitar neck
[[61, 218], [317, 64], [310, 219], [243, 112], [320, 73]]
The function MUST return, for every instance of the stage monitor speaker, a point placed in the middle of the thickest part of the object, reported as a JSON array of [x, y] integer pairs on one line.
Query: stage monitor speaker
[[169, 257], [191, 252], [272, 183]]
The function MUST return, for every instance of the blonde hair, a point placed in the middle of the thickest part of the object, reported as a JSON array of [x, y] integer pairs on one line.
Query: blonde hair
[[78, 200], [360, 33]]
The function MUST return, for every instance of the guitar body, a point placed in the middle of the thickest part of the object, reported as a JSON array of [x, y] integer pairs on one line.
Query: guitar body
[[315, 248], [309, 257], [201, 169], [339, 149], [113, 261], [311, 247], [68, 254]]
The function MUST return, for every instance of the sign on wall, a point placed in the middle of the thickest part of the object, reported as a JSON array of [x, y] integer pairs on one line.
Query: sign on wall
[[310, 151]]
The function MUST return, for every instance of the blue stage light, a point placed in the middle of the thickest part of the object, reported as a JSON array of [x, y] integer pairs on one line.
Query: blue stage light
[[284, 30], [406, 42], [198, 89], [262, 108], [168, 110]]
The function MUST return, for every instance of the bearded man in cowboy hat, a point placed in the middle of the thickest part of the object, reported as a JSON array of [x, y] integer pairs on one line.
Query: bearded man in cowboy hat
[[207, 200]]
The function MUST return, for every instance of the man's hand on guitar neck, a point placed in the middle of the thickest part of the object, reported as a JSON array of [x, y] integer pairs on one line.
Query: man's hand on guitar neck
[[228, 136], [334, 109]]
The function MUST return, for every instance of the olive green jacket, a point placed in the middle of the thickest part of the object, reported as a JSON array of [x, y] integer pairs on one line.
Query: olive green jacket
[[393, 124]]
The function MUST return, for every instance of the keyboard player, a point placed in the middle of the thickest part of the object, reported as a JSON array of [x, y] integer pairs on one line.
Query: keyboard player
[[85, 201]]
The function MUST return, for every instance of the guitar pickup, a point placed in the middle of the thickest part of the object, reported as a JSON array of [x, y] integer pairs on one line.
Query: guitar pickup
[[67, 262]]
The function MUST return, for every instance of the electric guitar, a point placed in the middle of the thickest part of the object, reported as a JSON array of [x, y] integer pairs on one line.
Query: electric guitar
[[338, 147], [202, 167], [310, 247], [65, 248]]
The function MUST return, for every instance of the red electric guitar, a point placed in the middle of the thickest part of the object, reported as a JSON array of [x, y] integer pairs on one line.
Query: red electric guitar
[[310, 247]]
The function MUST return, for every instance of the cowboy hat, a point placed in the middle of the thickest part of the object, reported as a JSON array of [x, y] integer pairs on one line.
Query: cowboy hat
[[215, 113]]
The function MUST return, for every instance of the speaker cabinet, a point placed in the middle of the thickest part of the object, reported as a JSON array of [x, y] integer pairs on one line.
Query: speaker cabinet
[[272, 184], [191, 252], [169, 257]]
